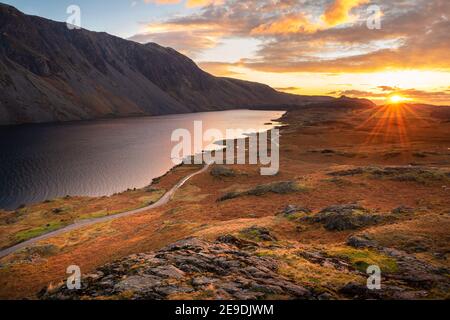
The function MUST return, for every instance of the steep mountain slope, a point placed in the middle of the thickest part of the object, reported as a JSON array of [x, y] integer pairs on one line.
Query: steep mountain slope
[[51, 73]]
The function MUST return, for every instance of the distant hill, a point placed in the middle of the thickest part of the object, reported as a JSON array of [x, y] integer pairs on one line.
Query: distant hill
[[50, 73], [435, 111]]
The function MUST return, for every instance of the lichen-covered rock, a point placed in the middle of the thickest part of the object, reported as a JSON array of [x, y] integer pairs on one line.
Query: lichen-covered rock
[[360, 241], [258, 234], [190, 268], [292, 209], [345, 217], [222, 172]]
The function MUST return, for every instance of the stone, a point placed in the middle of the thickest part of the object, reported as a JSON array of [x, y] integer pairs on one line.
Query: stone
[[345, 217], [292, 209], [168, 272], [218, 270], [360, 241], [221, 171], [203, 281], [138, 284], [258, 234], [403, 210]]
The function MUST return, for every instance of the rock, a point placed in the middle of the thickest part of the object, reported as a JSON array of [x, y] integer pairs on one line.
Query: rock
[[403, 210], [325, 296], [297, 291], [321, 258], [284, 187], [221, 171], [269, 289], [172, 289], [240, 243], [168, 272], [137, 284], [345, 173], [387, 292], [191, 267], [203, 281], [187, 244], [292, 209], [360, 241], [358, 291], [258, 234]]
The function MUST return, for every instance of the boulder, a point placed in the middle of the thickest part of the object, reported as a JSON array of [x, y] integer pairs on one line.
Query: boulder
[[345, 217]]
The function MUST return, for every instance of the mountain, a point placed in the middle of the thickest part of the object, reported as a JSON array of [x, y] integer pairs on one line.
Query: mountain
[[51, 73]]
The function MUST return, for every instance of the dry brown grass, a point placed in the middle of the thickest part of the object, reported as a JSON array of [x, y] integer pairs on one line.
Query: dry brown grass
[[194, 210]]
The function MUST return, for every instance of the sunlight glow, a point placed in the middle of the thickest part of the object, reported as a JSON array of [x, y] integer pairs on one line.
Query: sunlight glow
[[397, 99]]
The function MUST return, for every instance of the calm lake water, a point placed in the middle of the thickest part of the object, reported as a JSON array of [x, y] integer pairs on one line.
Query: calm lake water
[[97, 158]]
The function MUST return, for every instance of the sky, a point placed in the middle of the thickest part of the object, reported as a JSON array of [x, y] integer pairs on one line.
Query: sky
[[360, 48]]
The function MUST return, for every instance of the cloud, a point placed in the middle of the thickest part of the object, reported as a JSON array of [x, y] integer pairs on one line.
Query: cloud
[[219, 68], [309, 36], [186, 42], [338, 11], [289, 89], [294, 23]]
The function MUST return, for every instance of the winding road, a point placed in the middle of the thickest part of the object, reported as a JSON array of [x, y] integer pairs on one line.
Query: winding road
[[84, 223]]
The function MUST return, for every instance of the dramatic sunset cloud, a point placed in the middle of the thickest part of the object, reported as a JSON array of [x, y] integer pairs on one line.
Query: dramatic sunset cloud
[[289, 42], [339, 11]]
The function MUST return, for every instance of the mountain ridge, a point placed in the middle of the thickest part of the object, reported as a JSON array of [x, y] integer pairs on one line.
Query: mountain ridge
[[49, 73]]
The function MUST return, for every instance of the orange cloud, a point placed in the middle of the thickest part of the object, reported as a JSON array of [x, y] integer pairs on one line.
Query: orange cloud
[[294, 23], [339, 11], [296, 38], [219, 69]]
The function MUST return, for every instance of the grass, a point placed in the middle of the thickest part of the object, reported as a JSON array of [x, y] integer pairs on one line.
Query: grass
[[302, 271], [284, 187], [407, 174], [35, 220], [361, 259], [36, 232]]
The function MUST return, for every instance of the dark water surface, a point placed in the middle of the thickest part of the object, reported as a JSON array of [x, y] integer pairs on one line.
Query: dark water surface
[[97, 158]]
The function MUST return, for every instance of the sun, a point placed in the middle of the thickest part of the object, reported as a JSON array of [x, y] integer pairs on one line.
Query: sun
[[397, 99]]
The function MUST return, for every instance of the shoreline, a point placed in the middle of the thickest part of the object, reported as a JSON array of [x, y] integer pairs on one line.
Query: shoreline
[[164, 174], [85, 223]]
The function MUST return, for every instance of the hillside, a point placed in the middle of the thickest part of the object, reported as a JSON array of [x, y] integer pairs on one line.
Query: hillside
[[50, 73]]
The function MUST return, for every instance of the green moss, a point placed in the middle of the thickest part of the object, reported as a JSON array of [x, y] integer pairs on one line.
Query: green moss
[[93, 215], [296, 216], [361, 259], [36, 232]]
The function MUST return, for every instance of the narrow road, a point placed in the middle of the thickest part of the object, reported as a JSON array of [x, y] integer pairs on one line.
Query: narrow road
[[84, 223]]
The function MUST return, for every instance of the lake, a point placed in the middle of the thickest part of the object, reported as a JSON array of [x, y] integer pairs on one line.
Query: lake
[[99, 158]]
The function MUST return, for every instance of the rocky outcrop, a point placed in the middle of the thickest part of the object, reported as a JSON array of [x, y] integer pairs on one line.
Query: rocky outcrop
[[50, 73], [346, 217], [191, 268], [283, 187], [222, 172]]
